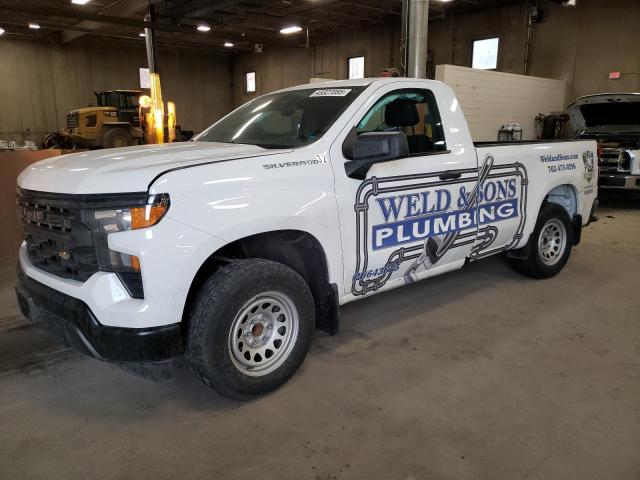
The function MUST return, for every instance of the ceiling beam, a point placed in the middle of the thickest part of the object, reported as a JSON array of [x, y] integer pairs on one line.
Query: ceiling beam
[[73, 13], [165, 40], [117, 8]]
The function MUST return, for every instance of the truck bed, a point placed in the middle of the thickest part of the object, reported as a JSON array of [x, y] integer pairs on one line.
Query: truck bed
[[516, 142]]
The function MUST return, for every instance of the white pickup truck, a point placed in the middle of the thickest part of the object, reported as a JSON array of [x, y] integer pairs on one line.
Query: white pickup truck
[[234, 247]]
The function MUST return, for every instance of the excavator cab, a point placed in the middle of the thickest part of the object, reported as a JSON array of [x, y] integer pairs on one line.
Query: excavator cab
[[126, 101]]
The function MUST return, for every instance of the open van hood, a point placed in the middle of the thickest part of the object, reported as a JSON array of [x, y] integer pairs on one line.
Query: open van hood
[[606, 113]]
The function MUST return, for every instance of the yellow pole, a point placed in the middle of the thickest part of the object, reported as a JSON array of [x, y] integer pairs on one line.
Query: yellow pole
[[171, 121], [157, 107]]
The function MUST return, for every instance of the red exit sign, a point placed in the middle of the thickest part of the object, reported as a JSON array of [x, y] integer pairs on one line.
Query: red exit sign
[[614, 75]]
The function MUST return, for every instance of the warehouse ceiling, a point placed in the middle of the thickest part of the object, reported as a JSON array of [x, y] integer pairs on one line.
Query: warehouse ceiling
[[241, 23]]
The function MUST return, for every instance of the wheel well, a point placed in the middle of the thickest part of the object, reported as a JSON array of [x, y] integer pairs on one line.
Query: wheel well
[[298, 250], [566, 197]]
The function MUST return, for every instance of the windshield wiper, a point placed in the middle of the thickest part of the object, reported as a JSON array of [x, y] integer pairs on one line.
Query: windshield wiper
[[271, 146]]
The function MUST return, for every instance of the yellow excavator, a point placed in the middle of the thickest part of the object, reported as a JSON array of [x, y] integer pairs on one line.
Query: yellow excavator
[[114, 122], [123, 117], [120, 119]]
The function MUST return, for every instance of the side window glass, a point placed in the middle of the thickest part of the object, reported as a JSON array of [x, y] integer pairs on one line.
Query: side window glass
[[413, 112]]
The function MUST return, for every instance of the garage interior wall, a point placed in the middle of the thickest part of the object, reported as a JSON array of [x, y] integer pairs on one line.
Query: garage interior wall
[[281, 67], [491, 99], [579, 45], [41, 82]]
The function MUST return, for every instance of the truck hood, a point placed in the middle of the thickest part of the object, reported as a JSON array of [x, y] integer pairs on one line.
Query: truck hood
[[129, 169], [606, 113]]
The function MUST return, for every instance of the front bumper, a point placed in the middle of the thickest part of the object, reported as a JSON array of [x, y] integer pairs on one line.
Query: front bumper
[[619, 181], [71, 321]]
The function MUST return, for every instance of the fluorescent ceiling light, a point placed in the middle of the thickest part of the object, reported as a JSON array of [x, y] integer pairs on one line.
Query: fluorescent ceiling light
[[34, 26], [80, 2], [204, 28], [228, 44], [291, 29], [142, 34]]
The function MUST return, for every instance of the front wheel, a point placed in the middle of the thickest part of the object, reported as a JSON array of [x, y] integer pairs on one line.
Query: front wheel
[[117, 137], [250, 328], [549, 245]]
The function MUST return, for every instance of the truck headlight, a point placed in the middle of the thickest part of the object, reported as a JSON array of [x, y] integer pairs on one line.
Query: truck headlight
[[104, 222]]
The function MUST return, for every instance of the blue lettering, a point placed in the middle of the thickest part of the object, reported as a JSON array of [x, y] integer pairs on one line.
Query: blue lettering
[[417, 229], [502, 190], [393, 206]]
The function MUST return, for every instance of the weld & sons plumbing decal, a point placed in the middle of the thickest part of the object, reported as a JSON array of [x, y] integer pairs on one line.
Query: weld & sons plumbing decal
[[416, 216]]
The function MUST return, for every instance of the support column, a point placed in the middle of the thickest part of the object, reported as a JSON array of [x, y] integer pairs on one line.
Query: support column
[[417, 38], [150, 40]]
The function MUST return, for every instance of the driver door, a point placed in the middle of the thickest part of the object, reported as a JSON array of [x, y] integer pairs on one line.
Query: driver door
[[403, 220]]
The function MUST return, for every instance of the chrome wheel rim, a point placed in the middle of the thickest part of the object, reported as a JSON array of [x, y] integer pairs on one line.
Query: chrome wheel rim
[[263, 333], [552, 241]]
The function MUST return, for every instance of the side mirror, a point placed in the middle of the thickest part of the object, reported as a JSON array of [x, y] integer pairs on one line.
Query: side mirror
[[367, 149]]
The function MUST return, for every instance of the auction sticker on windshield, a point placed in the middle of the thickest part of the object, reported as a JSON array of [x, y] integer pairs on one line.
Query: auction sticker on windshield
[[331, 92]]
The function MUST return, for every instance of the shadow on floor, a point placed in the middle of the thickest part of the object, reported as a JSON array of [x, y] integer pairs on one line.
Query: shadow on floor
[[30, 353]]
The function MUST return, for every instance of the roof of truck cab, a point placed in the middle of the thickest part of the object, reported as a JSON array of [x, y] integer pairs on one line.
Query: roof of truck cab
[[360, 82]]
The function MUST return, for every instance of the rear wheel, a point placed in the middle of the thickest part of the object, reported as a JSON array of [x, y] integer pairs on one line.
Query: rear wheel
[[250, 328], [549, 245], [116, 137]]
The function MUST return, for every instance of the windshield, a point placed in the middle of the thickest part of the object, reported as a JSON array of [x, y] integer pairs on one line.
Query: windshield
[[283, 120]]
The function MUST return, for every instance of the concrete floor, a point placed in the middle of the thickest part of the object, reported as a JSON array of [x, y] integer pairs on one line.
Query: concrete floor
[[477, 374]]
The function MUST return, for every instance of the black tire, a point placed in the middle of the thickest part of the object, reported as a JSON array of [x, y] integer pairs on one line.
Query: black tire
[[116, 137], [216, 310], [534, 265], [53, 140]]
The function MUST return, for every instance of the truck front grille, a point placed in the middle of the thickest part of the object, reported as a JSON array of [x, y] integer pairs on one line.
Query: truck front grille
[[72, 120], [615, 160], [57, 240]]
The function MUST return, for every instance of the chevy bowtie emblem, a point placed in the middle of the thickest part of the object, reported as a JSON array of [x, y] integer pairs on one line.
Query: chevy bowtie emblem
[[64, 255]]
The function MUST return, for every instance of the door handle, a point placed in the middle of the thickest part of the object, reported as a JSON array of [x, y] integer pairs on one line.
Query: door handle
[[450, 176]]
